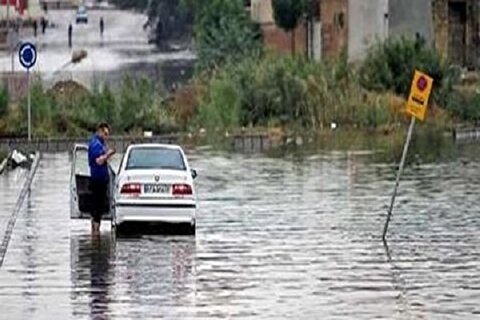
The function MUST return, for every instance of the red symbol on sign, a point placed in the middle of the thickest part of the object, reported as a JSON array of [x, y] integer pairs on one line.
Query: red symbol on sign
[[422, 83]]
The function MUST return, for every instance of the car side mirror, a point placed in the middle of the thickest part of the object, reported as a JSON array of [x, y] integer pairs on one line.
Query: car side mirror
[[194, 173]]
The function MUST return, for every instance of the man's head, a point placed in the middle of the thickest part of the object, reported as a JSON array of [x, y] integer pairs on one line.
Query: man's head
[[103, 130]]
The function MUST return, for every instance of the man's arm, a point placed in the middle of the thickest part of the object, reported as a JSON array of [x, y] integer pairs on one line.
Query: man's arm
[[97, 154], [101, 160]]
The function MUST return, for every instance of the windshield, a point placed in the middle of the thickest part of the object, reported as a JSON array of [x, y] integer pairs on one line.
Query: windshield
[[155, 158]]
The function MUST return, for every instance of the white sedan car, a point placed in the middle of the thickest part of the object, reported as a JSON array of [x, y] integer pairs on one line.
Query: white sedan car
[[155, 184]]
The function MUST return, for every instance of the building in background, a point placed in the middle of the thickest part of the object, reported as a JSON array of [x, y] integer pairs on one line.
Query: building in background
[[12, 8], [60, 4], [456, 30], [353, 26], [274, 37], [20, 9]]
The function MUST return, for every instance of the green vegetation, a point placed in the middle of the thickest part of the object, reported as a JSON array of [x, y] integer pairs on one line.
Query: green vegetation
[[137, 107], [3, 101], [278, 90], [384, 70], [390, 65], [224, 33]]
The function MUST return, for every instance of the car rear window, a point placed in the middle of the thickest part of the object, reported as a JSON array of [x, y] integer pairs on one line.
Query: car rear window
[[155, 158]]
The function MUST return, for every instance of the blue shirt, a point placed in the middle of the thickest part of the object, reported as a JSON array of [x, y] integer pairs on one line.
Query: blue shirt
[[97, 148]]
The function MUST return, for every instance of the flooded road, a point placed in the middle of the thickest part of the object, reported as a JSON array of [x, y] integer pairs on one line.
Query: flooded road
[[10, 185], [290, 237], [124, 48]]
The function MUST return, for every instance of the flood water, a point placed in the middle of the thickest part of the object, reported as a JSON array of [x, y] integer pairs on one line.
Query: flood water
[[286, 237], [123, 50]]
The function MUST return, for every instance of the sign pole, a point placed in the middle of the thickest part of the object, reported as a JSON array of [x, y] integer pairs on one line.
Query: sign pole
[[417, 103], [399, 175], [29, 106], [28, 57]]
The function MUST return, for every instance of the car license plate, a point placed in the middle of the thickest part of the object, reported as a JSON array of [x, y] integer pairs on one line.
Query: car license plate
[[156, 188]]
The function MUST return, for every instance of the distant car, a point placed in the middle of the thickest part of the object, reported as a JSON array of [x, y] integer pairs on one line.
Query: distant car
[[155, 184], [82, 15]]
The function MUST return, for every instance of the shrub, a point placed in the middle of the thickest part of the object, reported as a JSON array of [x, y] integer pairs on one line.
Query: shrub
[[224, 32], [44, 111], [184, 104], [465, 106], [103, 101], [390, 66], [277, 89], [3, 101], [222, 106], [134, 100]]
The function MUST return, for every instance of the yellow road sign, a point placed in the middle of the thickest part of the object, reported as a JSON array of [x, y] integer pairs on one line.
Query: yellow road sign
[[419, 94]]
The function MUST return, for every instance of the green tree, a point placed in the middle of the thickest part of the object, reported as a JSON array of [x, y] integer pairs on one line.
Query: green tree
[[103, 101], [288, 14], [171, 20], [224, 32]]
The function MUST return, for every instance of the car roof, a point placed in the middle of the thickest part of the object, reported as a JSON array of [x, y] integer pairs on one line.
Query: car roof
[[155, 145]]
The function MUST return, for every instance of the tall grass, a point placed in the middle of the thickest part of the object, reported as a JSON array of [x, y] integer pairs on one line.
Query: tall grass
[[3, 101], [136, 107], [279, 90]]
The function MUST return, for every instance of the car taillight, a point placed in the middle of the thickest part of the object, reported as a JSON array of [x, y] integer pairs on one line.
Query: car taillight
[[131, 189], [182, 190]]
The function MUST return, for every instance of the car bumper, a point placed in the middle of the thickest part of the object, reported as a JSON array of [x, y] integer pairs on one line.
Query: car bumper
[[149, 212]]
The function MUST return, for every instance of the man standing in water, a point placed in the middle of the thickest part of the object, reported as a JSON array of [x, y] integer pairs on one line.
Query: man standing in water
[[35, 27], [43, 22], [98, 157], [70, 31], [102, 27]]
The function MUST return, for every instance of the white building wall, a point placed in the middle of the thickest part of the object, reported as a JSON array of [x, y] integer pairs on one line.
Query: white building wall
[[368, 23]]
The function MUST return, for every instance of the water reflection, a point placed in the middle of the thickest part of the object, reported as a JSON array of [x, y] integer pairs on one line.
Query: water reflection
[[156, 274], [114, 277], [92, 272], [398, 283]]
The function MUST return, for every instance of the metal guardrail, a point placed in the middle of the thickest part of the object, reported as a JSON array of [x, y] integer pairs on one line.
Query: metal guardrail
[[253, 143], [466, 134], [66, 144], [18, 206]]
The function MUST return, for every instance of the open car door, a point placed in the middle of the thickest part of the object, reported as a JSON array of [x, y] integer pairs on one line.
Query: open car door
[[80, 193]]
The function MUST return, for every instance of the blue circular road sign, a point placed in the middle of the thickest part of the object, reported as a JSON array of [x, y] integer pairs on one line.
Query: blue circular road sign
[[27, 55]]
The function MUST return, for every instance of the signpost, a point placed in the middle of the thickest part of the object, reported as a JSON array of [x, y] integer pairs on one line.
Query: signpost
[[416, 107], [27, 55]]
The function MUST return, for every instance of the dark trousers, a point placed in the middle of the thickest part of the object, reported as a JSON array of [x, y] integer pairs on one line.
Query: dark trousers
[[100, 204]]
